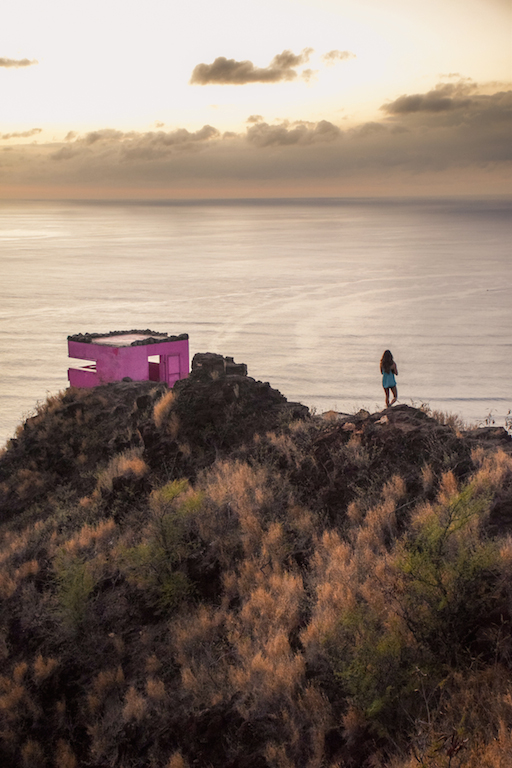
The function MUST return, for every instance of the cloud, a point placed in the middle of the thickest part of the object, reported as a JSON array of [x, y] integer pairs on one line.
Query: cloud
[[282, 134], [134, 146], [21, 135], [444, 97], [480, 118], [254, 119], [367, 129], [65, 153], [153, 146], [224, 71], [333, 56], [465, 149], [308, 74], [105, 135], [17, 63], [452, 125]]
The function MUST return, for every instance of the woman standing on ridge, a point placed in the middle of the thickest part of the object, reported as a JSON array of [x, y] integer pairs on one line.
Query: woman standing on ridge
[[389, 371]]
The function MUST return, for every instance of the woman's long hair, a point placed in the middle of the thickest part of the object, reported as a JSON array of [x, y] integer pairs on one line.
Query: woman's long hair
[[386, 361]]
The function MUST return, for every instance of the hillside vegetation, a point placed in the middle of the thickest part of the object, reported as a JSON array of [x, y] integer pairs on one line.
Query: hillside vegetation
[[212, 577]]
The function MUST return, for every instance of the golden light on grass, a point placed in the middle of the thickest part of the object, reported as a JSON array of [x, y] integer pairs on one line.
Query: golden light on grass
[[155, 689], [64, 755], [177, 761], [135, 705], [162, 408], [43, 668], [315, 588]]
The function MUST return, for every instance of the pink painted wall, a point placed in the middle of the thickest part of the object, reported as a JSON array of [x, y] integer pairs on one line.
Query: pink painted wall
[[110, 363]]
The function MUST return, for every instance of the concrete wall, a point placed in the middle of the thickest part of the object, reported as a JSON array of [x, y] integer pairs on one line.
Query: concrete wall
[[110, 363]]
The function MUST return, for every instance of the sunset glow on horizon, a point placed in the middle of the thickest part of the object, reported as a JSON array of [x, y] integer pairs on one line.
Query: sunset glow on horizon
[[286, 98]]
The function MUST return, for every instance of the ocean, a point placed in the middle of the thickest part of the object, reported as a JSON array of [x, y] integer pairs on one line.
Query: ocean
[[307, 293]]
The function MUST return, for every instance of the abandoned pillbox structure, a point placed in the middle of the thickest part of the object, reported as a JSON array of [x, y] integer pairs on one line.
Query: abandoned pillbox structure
[[137, 355]]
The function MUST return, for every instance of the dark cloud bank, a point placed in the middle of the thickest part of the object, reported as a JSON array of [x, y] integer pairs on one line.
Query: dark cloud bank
[[283, 134], [444, 97], [451, 131]]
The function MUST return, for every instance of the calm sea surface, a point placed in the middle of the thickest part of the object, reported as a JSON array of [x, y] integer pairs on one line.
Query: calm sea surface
[[307, 293]]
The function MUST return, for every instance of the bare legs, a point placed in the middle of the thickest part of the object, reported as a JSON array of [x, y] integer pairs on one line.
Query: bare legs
[[395, 395]]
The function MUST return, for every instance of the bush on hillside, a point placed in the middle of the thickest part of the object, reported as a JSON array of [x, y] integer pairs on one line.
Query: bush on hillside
[[221, 582]]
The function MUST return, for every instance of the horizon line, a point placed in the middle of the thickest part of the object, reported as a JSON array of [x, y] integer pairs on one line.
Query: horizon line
[[262, 200]]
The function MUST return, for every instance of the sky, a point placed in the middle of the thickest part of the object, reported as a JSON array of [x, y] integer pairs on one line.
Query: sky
[[154, 99]]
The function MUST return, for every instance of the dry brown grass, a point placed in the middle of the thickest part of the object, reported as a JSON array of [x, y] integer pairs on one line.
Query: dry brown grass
[[30, 482], [428, 478], [32, 755], [334, 580], [135, 705], [201, 648], [356, 452], [29, 568], [153, 664], [448, 488], [8, 585], [162, 408], [64, 755], [288, 446], [471, 729], [495, 469], [10, 698], [43, 668], [362, 582], [245, 654], [302, 607], [127, 464], [452, 420], [236, 497], [495, 753], [105, 682], [155, 689], [177, 761], [100, 536]]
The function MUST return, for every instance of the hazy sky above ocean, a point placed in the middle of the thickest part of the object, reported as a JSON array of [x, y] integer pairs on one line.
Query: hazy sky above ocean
[[307, 293], [158, 101], [280, 98]]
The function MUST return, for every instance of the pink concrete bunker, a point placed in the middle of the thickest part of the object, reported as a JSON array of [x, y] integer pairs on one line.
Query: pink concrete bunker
[[136, 355]]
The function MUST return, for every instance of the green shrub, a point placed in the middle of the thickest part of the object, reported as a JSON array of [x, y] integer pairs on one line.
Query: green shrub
[[445, 575], [75, 584], [156, 565], [418, 613]]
